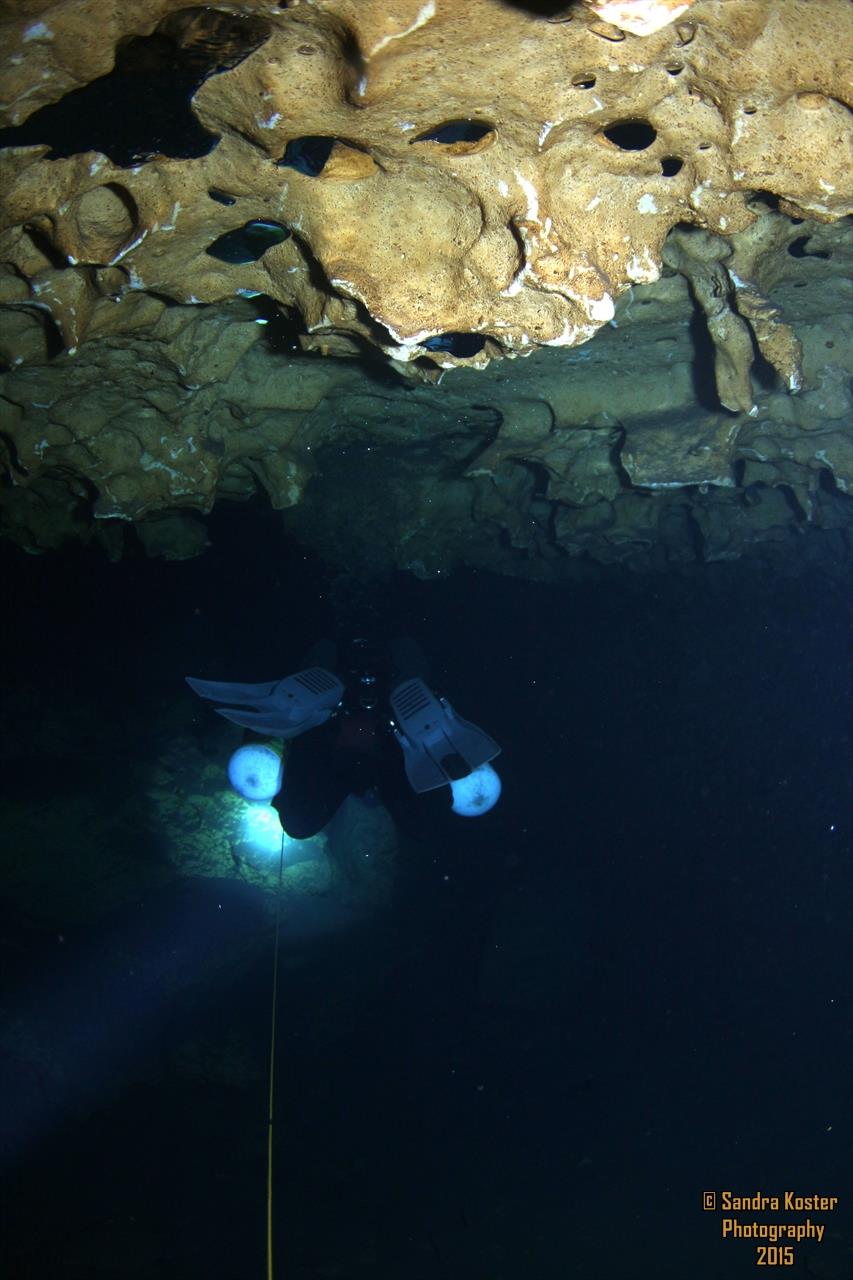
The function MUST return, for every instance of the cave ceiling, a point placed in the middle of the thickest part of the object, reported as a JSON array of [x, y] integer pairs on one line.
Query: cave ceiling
[[527, 287]]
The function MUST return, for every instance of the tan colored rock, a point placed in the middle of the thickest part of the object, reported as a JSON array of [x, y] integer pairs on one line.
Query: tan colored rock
[[698, 256], [725, 525], [600, 454], [776, 340], [788, 455], [526, 430], [577, 460], [729, 301], [160, 425], [490, 172], [672, 453]]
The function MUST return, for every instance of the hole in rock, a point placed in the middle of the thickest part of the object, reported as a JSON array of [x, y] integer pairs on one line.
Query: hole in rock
[[142, 107], [760, 201], [461, 345], [283, 326], [671, 165], [456, 131], [799, 248], [43, 245], [221, 197], [249, 242], [308, 155], [313, 155], [584, 81], [630, 135], [550, 10]]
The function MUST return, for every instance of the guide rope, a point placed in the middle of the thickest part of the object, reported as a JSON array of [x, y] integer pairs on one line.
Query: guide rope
[[271, 1094]]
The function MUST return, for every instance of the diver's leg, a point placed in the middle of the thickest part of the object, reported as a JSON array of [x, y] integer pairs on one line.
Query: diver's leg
[[314, 787]]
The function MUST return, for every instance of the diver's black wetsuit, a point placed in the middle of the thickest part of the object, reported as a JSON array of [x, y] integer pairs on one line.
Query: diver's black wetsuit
[[353, 753]]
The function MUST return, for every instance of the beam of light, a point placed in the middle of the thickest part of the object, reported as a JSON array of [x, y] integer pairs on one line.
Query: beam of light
[[260, 829]]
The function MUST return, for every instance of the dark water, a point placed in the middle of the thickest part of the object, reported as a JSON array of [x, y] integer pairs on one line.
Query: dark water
[[628, 985]]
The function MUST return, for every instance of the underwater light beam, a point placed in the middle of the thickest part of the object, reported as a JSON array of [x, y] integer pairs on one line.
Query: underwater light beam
[[260, 829]]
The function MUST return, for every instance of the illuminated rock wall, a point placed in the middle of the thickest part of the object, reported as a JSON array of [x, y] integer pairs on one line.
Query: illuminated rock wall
[[434, 185], [435, 168]]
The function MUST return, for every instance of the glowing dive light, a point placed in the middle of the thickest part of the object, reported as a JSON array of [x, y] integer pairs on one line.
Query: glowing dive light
[[476, 793], [255, 771]]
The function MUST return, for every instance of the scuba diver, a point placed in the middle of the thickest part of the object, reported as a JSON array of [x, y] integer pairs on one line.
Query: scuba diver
[[362, 721]]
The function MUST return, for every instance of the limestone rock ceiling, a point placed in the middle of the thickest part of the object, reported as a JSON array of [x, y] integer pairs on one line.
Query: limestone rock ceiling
[[436, 169], [442, 184]]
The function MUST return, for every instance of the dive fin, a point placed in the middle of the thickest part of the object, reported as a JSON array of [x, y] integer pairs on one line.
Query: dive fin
[[438, 745], [284, 707]]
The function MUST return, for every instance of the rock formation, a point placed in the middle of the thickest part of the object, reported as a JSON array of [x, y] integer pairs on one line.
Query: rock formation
[[192, 196]]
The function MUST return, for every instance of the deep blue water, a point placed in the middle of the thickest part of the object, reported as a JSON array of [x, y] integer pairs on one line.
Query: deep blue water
[[630, 984]]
